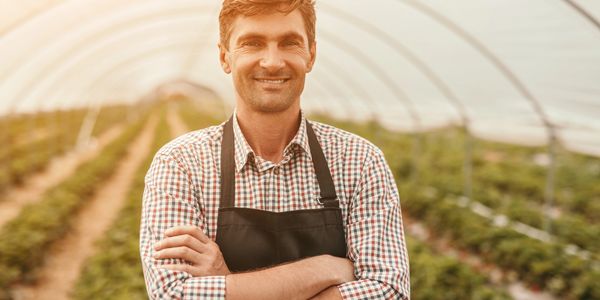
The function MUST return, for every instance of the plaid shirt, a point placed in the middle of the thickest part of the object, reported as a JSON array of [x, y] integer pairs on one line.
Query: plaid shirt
[[183, 187]]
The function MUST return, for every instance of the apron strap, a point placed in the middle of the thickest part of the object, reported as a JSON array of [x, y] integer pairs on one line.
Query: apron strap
[[227, 198], [328, 195], [227, 166]]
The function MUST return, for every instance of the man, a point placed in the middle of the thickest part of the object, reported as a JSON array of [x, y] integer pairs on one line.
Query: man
[[269, 205]]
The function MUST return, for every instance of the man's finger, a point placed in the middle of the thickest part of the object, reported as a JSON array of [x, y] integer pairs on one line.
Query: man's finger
[[179, 241], [184, 253], [182, 268], [191, 230]]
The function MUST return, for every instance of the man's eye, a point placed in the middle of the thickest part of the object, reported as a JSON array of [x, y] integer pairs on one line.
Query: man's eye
[[251, 44], [291, 43]]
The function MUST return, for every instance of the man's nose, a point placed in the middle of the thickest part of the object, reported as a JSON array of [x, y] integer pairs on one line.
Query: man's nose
[[272, 59]]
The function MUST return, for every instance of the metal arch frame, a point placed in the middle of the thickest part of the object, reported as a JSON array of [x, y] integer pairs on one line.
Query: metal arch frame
[[329, 82], [81, 59], [583, 12], [429, 73], [404, 51], [106, 31], [362, 93], [134, 56], [26, 19], [67, 54], [193, 60], [324, 91], [490, 56], [84, 131], [316, 104], [116, 58], [112, 25], [551, 129], [374, 68], [80, 45]]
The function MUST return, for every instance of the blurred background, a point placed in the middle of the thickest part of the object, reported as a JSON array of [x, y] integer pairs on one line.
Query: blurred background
[[488, 113]]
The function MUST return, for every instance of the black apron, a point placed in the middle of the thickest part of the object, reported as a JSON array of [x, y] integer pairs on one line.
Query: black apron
[[251, 238]]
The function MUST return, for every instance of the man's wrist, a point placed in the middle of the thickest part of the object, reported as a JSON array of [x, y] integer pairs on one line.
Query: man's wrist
[[338, 270]]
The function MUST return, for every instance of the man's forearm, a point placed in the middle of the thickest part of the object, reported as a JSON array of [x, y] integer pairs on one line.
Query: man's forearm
[[298, 280]]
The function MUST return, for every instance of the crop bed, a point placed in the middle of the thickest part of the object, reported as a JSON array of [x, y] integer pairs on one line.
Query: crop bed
[[26, 238]]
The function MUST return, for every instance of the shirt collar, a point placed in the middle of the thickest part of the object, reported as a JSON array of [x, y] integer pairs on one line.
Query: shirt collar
[[243, 151]]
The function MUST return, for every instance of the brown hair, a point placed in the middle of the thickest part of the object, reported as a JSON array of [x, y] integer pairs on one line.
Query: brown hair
[[233, 8]]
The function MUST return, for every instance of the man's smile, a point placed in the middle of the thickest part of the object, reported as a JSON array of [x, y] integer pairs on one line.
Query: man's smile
[[272, 80], [272, 84]]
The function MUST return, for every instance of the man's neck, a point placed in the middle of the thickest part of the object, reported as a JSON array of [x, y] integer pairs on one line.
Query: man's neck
[[269, 133]]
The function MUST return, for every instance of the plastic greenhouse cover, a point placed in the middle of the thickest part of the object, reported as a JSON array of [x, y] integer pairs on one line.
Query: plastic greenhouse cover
[[503, 66]]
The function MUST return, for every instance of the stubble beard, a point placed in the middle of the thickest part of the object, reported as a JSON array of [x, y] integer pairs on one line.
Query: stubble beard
[[270, 102]]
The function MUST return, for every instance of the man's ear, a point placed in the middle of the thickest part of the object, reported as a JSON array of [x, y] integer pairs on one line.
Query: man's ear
[[313, 57], [224, 58]]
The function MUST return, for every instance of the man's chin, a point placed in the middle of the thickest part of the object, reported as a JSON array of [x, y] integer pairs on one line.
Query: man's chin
[[272, 105]]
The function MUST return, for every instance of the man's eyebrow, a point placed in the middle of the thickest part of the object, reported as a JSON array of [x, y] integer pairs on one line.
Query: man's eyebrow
[[291, 34], [250, 36], [283, 36]]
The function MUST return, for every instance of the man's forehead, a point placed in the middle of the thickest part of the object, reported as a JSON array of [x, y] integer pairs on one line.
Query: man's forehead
[[272, 25]]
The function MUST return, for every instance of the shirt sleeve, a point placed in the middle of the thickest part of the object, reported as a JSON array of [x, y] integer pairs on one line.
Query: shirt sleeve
[[375, 236], [169, 201]]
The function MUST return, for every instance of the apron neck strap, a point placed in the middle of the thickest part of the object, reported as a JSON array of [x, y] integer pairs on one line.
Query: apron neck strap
[[328, 196], [227, 198]]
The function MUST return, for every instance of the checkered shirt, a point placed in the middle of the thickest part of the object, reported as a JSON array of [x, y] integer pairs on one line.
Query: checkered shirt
[[183, 187]]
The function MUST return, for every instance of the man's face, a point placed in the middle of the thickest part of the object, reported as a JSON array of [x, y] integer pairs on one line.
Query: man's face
[[268, 57]]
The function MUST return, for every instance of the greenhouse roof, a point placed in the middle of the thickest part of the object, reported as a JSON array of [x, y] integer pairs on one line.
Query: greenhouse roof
[[516, 71]]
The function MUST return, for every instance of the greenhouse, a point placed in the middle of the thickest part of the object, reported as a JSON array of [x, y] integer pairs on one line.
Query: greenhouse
[[487, 113]]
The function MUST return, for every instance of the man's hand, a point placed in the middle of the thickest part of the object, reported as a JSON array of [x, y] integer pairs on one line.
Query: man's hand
[[192, 245]]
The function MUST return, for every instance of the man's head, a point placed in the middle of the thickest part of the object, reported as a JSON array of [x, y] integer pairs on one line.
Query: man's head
[[268, 46]]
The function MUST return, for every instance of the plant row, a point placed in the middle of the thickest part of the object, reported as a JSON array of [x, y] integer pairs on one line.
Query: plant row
[[430, 198], [26, 238], [443, 151], [440, 164], [20, 159], [434, 276], [441, 168], [22, 128], [541, 264], [115, 271]]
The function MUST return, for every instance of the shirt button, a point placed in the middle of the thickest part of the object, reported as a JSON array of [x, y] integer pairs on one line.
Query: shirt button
[[276, 170]]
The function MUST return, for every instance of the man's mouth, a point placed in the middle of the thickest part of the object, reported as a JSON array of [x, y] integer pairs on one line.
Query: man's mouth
[[272, 80]]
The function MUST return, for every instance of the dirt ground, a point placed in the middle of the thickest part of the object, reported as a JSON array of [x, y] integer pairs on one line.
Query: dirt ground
[[66, 258]]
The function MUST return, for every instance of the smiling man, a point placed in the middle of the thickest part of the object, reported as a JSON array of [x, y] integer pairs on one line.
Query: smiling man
[[269, 205]]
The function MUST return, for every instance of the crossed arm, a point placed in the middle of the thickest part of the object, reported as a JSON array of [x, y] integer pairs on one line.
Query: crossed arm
[[374, 237], [316, 277]]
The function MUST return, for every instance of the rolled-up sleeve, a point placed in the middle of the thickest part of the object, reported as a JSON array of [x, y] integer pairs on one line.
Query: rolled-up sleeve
[[170, 200], [375, 236]]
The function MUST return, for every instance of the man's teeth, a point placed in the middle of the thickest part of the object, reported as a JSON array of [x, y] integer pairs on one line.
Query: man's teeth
[[272, 81]]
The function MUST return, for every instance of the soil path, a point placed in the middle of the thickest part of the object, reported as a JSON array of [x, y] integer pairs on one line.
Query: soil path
[[175, 123], [59, 169], [66, 258], [516, 289]]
